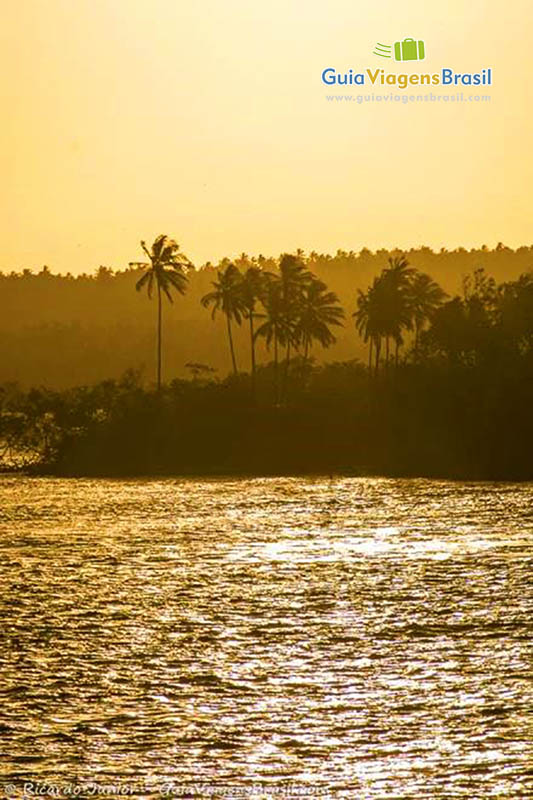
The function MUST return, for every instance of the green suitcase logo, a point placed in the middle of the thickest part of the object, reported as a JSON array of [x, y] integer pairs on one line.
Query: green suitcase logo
[[409, 50]]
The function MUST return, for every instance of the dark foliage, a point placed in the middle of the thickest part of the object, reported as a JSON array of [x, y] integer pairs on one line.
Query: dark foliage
[[65, 330], [451, 396], [438, 418]]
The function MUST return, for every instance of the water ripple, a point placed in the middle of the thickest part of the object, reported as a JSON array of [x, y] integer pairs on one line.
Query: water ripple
[[368, 637]]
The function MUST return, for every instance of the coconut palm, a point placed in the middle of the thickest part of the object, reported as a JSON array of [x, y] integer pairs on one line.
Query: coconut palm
[[252, 289], [396, 280], [318, 310], [383, 312], [399, 266], [364, 323], [370, 319], [164, 269], [276, 328], [293, 277], [227, 298], [425, 296]]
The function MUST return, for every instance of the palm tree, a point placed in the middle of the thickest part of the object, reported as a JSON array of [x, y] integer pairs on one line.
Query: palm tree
[[363, 321], [369, 319], [397, 279], [276, 327], [165, 267], [293, 277], [252, 289], [227, 297], [383, 312], [425, 296], [318, 310]]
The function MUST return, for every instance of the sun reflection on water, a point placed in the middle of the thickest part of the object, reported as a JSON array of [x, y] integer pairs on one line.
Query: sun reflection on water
[[370, 637]]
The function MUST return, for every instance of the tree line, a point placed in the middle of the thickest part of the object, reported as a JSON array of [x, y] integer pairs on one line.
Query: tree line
[[292, 309], [445, 389], [64, 330]]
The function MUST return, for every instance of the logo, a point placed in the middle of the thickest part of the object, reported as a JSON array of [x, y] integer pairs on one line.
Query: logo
[[406, 50]]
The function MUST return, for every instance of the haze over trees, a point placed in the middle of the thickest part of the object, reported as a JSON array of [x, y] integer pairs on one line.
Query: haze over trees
[[445, 387], [64, 330]]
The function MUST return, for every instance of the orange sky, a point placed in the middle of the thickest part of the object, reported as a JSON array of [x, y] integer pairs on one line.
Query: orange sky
[[208, 121]]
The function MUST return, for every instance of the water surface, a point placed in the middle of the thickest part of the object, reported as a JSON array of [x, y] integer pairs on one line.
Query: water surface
[[368, 638]]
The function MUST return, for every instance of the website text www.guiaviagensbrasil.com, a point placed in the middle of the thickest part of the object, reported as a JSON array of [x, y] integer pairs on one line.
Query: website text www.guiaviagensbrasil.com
[[458, 97]]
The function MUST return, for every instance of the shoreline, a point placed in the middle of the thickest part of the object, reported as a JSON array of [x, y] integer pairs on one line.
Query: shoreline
[[228, 475]]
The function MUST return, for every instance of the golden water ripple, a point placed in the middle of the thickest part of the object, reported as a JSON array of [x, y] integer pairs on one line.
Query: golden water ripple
[[371, 638]]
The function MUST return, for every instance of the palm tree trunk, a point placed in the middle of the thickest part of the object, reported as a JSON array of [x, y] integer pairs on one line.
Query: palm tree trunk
[[286, 371], [159, 327], [230, 337], [276, 371], [378, 352], [396, 355], [387, 353], [370, 356], [252, 350]]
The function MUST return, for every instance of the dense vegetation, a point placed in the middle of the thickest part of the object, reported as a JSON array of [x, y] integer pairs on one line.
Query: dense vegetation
[[63, 330], [445, 389]]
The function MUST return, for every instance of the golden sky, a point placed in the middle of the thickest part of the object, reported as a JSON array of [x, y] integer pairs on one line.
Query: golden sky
[[208, 120]]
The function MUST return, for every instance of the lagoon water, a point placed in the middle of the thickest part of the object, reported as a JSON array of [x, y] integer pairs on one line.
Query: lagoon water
[[343, 637]]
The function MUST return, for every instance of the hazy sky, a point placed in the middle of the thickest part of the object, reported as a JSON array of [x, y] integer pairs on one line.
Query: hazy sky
[[208, 121]]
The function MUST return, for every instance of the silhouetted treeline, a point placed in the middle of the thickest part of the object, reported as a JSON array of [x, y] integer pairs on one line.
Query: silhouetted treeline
[[447, 389], [63, 330], [457, 403], [439, 419]]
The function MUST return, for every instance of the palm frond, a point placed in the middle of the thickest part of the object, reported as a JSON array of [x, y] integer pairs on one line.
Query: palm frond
[[142, 281]]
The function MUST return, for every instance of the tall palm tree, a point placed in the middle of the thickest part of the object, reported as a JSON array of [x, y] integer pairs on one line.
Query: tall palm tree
[[318, 310], [293, 277], [383, 312], [227, 298], [397, 279], [276, 328], [370, 319], [363, 321], [425, 296], [164, 268], [252, 290]]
